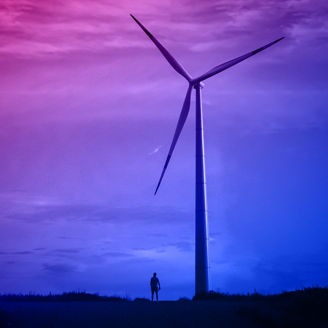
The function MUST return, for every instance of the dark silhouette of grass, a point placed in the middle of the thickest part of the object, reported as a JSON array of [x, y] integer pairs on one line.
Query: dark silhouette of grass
[[309, 293], [64, 297], [300, 308], [306, 307]]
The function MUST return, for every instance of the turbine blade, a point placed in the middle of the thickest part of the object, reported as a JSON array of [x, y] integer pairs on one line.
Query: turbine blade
[[228, 64], [182, 119], [178, 67]]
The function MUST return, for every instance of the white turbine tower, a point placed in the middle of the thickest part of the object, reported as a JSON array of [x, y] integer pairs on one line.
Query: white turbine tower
[[201, 258]]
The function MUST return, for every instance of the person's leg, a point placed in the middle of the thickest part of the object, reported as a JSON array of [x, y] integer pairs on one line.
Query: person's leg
[[157, 294], [152, 294]]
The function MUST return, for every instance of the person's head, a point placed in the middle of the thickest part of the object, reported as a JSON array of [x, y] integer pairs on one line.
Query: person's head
[[154, 274]]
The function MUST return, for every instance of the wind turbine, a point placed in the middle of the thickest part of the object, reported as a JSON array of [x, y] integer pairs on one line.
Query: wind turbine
[[201, 257]]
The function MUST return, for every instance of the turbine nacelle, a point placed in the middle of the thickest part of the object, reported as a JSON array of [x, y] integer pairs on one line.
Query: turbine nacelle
[[195, 83]]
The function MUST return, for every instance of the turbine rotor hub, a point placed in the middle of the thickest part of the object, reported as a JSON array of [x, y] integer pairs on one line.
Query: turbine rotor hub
[[199, 84]]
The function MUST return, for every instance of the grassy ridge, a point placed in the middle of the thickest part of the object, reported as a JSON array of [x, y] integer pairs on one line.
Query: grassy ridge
[[296, 309], [64, 297], [305, 293], [314, 294]]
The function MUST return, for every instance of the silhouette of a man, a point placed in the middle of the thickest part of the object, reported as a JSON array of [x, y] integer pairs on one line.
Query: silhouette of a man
[[155, 286]]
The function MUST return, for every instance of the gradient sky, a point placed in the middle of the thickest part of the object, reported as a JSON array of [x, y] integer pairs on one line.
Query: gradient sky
[[88, 108]]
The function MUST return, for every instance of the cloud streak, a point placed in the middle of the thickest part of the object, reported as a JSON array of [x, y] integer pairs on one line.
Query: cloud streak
[[30, 28]]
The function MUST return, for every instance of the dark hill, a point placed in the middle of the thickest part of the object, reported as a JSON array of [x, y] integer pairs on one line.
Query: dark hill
[[301, 308]]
